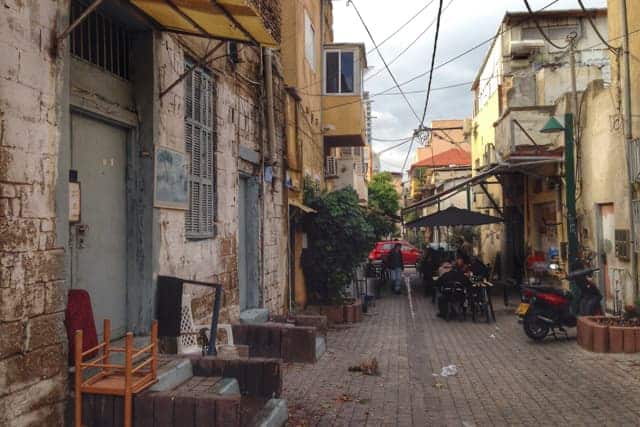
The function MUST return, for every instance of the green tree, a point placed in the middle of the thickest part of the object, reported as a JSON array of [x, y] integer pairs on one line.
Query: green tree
[[384, 202], [339, 238], [383, 196]]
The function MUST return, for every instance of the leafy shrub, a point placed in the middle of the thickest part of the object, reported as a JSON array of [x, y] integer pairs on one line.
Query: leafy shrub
[[339, 238]]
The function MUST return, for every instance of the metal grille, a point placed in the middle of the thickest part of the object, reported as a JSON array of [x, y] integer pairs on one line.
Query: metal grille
[[331, 168], [622, 244], [100, 41], [636, 225], [200, 142], [634, 160]]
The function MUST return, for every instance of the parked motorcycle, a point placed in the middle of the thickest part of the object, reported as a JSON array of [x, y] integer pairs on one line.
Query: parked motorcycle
[[547, 309]]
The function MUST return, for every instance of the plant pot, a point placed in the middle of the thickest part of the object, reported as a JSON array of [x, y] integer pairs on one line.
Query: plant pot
[[616, 339], [334, 313], [629, 339], [585, 332], [600, 337]]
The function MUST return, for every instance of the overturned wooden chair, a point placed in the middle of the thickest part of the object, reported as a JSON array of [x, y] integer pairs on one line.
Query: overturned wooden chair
[[135, 375]]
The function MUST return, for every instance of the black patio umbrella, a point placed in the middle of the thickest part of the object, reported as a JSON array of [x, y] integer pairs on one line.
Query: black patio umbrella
[[453, 216]]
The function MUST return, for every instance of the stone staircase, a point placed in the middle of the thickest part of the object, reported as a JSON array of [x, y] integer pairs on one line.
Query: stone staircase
[[200, 391]]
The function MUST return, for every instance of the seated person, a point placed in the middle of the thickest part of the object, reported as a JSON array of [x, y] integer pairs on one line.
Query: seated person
[[458, 273]]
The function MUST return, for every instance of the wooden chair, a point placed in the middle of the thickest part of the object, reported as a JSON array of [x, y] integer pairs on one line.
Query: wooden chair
[[115, 379]]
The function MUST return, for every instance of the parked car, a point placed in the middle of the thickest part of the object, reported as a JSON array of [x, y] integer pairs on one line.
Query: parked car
[[410, 255]]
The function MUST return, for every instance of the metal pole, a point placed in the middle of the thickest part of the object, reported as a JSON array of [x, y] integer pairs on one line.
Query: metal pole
[[628, 133], [468, 198], [570, 188]]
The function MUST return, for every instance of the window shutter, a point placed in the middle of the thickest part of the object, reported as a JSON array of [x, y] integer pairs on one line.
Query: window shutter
[[200, 121]]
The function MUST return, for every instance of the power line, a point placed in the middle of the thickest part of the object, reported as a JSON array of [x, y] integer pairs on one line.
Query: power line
[[426, 103], [593, 25], [409, 46], [391, 139], [542, 33], [393, 147], [383, 60], [402, 26], [433, 60]]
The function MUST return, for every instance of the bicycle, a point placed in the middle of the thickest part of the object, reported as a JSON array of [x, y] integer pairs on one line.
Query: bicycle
[[480, 300]]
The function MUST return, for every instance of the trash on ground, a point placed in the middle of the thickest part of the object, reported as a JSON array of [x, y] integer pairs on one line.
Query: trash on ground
[[449, 371], [367, 367]]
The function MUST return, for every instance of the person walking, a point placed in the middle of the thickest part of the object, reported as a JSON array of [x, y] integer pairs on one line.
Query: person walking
[[395, 265]]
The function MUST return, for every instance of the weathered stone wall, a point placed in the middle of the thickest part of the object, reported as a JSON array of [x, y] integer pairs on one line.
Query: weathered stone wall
[[240, 122], [32, 299]]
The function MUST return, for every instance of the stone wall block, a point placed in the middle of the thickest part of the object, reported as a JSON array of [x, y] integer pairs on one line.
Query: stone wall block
[[47, 330], [44, 266], [7, 190], [55, 296], [34, 397], [19, 234], [10, 338], [22, 370]]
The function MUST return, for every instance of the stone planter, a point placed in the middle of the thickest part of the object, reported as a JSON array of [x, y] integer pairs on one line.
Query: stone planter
[[334, 313], [353, 312], [593, 335]]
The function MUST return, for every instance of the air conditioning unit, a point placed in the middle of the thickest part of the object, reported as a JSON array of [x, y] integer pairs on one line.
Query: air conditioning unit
[[520, 49], [467, 126]]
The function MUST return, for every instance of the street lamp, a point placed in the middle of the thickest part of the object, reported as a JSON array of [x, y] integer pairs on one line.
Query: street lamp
[[554, 126]]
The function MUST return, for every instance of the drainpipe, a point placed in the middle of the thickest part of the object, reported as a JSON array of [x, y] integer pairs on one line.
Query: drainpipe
[[271, 122], [628, 132]]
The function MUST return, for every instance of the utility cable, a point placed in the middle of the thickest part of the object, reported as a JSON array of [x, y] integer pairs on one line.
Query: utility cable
[[539, 27], [409, 46], [402, 26], [395, 81], [393, 147], [433, 61], [593, 25]]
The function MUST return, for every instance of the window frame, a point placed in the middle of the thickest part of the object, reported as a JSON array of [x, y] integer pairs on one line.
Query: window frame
[[308, 24], [206, 126], [357, 74]]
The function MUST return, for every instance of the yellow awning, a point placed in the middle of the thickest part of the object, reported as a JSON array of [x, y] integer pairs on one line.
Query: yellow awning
[[214, 18], [304, 208]]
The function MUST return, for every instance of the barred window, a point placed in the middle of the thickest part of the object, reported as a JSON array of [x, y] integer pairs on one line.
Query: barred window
[[100, 40], [200, 140]]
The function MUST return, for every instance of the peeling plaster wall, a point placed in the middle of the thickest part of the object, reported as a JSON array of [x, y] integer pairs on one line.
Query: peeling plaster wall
[[32, 299], [240, 121]]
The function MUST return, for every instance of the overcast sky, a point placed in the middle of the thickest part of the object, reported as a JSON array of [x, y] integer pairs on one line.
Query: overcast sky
[[464, 24]]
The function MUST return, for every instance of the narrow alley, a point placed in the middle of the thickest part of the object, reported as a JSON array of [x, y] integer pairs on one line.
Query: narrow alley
[[503, 377]]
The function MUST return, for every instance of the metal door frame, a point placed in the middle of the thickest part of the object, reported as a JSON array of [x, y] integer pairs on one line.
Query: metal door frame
[[130, 132]]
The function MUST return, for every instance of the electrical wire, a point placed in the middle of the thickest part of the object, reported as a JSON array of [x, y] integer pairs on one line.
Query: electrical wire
[[542, 33], [402, 26], [395, 81], [391, 139], [393, 147], [433, 61], [593, 25], [409, 46]]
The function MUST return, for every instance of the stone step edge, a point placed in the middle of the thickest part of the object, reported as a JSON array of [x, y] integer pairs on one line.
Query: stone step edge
[[274, 414]]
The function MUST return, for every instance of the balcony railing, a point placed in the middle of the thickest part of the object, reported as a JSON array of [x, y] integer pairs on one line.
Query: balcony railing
[[331, 167], [360, 168]]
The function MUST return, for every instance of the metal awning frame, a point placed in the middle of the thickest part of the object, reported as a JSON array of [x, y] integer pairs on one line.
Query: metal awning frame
[[206, 58], [480, 179]]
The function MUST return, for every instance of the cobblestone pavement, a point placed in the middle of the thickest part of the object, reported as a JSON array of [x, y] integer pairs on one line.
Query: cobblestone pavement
[[503, 378]]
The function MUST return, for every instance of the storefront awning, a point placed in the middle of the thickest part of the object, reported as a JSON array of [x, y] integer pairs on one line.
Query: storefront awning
[[304, 208], [481, 177], [223, 19]]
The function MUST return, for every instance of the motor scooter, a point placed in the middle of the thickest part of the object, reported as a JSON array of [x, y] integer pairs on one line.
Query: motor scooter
[[547, 309]]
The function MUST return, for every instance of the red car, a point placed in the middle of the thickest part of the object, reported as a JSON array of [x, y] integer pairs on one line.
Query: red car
[[410, 255]]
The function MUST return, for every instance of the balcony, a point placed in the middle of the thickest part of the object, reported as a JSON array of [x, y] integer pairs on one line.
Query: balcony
[[518, 133], [343, 173], [343, 107]]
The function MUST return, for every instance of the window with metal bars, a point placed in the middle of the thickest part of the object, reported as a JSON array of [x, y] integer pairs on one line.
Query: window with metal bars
[[200, 141], [101, 41]]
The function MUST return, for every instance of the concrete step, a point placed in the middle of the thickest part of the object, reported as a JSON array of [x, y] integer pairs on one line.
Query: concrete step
[[172, 374], [254, 315], [274, 414], [321, 346]]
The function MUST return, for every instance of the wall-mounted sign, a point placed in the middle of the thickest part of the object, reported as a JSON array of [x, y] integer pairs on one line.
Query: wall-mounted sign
[[171, 180], [75, 202]]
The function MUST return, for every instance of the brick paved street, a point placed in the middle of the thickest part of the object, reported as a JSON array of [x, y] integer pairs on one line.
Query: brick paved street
[[503, 378]]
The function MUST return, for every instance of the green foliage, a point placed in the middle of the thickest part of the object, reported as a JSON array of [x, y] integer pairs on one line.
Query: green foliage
[[339, 238], [383, 195], [384, 202]]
